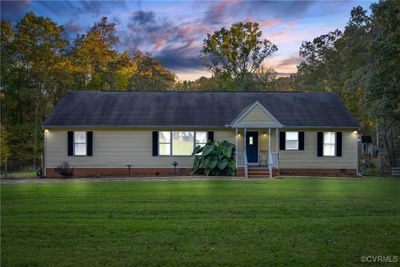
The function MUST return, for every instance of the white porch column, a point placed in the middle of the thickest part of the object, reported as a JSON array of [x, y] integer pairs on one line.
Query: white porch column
[[244, 142], [269, 153], [269, 141], [236, 146]]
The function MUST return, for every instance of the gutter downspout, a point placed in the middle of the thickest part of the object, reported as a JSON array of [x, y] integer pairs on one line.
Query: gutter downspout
[[357, 156], [45, 153]]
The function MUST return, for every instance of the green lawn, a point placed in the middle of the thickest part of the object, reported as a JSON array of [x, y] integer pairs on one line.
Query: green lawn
[[287, 221], [18, 175]]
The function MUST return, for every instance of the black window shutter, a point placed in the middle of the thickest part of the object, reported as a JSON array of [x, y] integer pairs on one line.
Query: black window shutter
[[89, 143], [155, 143], [70, 143], [210, 136], [338, 144], [301, 140], [320, 141], [282, 140]]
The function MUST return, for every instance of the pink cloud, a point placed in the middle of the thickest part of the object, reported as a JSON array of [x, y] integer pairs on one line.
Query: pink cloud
[[289, 62], [278, 34], [158, 43], [287, 69], [185, 30], [264, 24], [291, 25], [216, 13], [269, 23], [285, 37], [284, 64], [220, 7]]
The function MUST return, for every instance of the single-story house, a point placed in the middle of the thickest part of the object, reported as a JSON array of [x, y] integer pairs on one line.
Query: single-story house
[[286, 133]]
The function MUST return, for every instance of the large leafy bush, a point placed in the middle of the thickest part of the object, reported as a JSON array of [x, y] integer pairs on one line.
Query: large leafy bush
[[215, 158]]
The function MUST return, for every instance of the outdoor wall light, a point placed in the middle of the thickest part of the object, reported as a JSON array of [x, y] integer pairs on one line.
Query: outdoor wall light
[[264, 133], [46, 130], [355, 132]]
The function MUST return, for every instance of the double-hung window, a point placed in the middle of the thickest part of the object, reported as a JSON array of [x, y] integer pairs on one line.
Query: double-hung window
[[164, 141], [292, 141], [180, 143], [201, 139], [80, 144], [329, 144]]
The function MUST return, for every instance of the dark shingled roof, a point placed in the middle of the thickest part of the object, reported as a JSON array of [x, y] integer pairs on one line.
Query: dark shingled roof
[[196, 109]]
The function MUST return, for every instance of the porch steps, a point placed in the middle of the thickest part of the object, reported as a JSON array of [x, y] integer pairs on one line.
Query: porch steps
[[258, 172]]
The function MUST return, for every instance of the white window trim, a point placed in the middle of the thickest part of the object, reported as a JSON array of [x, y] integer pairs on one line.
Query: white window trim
[[171, 143], [323, 145], [195, 142], [297, 148], [165, 143], [80, 143]]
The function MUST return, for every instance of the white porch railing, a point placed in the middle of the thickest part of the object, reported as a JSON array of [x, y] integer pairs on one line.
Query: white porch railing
[[273, 162], [246, 166], [273, 159], [242, 162]]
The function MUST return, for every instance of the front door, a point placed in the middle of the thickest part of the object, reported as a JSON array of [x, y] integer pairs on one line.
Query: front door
[[252, 147]]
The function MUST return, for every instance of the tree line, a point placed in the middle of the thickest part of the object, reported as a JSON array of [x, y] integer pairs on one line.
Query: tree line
[[362, 66], [38, 65]]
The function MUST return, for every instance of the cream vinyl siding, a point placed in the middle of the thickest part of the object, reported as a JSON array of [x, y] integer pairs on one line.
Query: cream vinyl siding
[[263, 140], [308, 158], [257, 115], [116, 148]]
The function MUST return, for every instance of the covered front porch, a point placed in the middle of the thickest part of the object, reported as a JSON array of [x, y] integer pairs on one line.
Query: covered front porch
[[257, 141], [257, 151]]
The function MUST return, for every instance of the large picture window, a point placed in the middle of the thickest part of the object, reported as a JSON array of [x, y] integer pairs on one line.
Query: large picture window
[[80, 144], [329, 143], [180, 143], [292, 141]]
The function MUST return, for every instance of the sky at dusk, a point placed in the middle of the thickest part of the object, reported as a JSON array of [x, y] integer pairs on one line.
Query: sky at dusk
[[173, 31]]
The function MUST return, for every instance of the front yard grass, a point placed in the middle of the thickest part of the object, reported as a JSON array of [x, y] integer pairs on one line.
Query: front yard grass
[[19, 175], [280, 222]]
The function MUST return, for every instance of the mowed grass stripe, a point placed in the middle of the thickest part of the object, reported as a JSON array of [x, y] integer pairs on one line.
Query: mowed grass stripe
[[281, 222]]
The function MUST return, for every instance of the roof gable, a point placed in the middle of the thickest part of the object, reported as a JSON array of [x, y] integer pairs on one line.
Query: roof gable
[[256, 116]]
